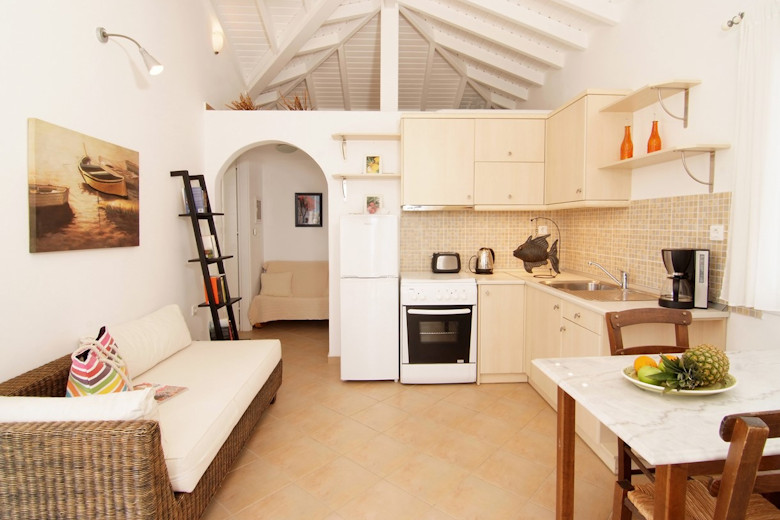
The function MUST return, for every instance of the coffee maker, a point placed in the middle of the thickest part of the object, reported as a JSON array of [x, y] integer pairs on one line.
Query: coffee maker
[[686, 283]]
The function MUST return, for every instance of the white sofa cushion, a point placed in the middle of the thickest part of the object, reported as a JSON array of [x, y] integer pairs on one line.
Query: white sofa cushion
[[276, 284], [222, 378], [145, 342], [118, 406]]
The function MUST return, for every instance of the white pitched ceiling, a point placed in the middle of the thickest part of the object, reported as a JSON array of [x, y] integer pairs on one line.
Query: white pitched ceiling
[[452, 54]]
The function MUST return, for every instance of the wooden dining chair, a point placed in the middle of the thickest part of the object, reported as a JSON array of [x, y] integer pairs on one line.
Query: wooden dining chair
[[628, 463], [736, 498], [617, 321]]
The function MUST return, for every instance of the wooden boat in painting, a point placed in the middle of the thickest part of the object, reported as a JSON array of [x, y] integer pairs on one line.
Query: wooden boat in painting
[[101, 179], [48, 195]]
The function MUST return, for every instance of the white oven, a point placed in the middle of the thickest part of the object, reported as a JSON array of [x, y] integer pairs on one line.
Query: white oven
[[438, 328]]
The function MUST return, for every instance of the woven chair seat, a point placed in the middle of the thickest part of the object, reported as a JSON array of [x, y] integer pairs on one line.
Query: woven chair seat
[[700, 505]]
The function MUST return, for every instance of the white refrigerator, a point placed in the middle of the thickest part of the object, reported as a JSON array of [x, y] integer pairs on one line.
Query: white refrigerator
[[369, 255]]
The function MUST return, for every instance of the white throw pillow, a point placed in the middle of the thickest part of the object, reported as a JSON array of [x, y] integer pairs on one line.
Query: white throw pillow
[[118, 406], [148, 340], [276, 284]]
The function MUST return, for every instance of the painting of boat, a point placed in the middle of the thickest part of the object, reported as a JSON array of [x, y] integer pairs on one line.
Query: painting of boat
[[102, 179], [48, 195]]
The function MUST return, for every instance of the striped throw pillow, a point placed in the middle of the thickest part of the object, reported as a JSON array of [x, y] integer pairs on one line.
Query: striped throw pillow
[[97, 368]]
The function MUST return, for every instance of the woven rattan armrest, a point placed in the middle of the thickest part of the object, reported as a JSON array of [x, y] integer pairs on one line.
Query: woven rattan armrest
[[108, 469]]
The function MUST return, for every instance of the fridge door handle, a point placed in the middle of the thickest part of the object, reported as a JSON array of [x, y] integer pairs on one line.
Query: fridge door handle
[[439, 312]]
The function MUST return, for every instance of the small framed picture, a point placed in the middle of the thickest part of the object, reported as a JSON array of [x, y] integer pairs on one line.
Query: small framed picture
[[308, 210], [373, 204], [372, 164]]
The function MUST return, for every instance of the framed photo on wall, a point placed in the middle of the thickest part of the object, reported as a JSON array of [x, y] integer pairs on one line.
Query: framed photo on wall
[[308, 210], [372, 164], [373, 204]]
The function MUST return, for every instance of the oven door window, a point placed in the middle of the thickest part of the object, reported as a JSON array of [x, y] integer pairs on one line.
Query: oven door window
[[439, 334]]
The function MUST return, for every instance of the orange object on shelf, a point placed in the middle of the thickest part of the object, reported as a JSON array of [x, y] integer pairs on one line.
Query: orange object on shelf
[[627, 146], [654, 143]]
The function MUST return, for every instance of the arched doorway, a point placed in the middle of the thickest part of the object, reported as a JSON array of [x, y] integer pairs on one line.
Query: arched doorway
[[258, 196]]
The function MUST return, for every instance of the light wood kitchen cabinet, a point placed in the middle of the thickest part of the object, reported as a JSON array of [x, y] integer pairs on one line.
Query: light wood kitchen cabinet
[[580, 139], [542, 337], [509, 167], [500, 329], [438, 162]]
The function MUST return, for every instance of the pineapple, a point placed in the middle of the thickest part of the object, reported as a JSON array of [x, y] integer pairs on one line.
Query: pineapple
[[702, 365]]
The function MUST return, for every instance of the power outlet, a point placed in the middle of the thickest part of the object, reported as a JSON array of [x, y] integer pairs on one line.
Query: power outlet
[[541, 230], [194, 310], [716, 232]]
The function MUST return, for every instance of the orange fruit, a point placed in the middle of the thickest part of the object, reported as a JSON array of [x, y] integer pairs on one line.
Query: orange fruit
[[644, 361]]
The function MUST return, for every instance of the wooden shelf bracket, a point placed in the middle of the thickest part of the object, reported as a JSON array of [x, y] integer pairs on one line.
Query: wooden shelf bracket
[[711, 182], [684, 117]]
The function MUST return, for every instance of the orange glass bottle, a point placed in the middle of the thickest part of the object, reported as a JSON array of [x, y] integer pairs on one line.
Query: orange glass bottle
[[654, 143], [627, 146]]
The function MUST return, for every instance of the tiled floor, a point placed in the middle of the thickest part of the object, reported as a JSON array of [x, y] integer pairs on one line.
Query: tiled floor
[[329, 449]]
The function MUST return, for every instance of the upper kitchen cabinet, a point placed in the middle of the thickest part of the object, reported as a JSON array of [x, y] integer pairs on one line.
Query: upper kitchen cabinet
[[580, 139], [438, 162], [509, 163]]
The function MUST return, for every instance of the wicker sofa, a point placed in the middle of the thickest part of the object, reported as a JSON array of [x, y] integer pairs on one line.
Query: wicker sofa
[[119, 469]]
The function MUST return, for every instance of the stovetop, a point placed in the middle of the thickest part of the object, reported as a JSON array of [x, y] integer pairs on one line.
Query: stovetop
[[446, 278]]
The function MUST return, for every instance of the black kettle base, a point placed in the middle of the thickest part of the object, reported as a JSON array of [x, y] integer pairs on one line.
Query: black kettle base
[[671, 304]]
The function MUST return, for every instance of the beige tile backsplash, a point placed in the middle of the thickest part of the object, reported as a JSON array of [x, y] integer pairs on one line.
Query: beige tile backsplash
[[627, 239]]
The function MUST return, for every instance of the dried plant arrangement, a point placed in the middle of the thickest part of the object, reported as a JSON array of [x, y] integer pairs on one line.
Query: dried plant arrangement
[[296, 103], [244, 102]]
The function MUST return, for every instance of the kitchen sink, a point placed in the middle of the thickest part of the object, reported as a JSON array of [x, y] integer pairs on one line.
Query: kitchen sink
[[599, 291]]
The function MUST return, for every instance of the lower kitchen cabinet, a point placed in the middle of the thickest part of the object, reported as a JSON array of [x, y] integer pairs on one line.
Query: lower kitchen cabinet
[[500, 333], [561, 328]]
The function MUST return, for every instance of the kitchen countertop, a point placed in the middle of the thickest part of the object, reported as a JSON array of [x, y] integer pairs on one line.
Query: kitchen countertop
[[514, 276]]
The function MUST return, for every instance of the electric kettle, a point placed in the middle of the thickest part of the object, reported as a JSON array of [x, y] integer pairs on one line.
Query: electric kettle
[[483, 261]]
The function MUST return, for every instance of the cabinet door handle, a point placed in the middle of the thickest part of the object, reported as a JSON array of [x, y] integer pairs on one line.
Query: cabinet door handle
[[487, 293], [509, 153], [579, 190], [509, 196], [556, 307], [563, 328], [577, 315]]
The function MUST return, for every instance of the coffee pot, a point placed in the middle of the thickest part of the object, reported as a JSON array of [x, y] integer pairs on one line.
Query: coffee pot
[[483, 261], [677, 291]]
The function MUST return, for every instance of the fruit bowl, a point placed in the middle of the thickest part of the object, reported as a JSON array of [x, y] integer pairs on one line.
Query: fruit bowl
[[727, 384]]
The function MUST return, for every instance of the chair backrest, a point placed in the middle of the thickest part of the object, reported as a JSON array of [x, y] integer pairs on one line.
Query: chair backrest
[[747, 434], [617, 320]]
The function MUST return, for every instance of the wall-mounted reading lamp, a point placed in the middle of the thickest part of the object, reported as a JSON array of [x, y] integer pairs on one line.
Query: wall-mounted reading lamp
[[153, 66]]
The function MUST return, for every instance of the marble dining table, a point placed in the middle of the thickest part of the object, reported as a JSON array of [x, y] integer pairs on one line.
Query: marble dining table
[[678, 434]]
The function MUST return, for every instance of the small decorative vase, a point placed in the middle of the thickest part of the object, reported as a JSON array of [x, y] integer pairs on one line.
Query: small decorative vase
[[654, 143], [627, 146]]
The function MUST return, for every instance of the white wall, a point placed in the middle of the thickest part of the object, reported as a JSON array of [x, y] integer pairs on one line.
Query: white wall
[[229, 135], [56, 70]]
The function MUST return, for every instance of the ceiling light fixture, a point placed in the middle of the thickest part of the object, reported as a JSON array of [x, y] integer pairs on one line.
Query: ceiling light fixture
[[152, 65], [217, 41]]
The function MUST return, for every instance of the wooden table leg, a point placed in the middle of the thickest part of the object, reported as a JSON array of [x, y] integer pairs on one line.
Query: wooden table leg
[[564, 485], [670, 487]]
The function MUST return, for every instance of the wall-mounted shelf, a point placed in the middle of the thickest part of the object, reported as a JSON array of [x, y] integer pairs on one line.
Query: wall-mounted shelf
[[672, 154], [363, 137], [649, 94], [367, 176]]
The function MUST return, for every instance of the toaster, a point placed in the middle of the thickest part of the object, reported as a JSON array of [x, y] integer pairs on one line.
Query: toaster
[[445, 263]]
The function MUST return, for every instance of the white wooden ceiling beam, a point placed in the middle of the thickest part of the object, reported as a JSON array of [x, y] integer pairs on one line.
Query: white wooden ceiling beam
[[312, 89], [266, 98], [484, 30], [348, 12], [459, 93], [427, 78], [509, 87], [344, 78], [603, 11], [320, 43], [533, 21], [299, 34], [268, 24], [479, 54]]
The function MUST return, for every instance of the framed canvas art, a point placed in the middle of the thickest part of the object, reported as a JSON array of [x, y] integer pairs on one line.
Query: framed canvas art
[[308, 210]]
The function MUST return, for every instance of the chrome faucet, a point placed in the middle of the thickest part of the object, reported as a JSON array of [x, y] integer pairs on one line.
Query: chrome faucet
[[623, 282]]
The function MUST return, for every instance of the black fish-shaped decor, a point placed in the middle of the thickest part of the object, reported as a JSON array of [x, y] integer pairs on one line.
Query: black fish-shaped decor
[[533, 253]]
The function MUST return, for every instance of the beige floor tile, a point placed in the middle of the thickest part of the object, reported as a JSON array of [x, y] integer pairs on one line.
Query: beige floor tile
[[533, 446], [338, 482], [382, 454], [346, 400], [419, 432], [379, 390], [384, 501], [289, 502], [313, 418], [300, 456], [450, 414], [250, 483], [345, 435], [513, 473], [472, 397], [487, 428], [275, 434], [459, 448], [410, 401], [476, 499], [380, 416], [215, 511], [427, 477], [516, 414]]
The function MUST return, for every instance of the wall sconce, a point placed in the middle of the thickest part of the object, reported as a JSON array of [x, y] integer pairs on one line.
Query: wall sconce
[[217, 41], [152, 65]]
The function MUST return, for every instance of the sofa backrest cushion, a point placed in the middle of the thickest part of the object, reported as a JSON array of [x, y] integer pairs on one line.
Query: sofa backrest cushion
[[118, 406], [276, 284], [148, 340], [309, 278]]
